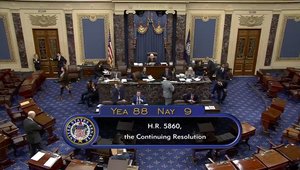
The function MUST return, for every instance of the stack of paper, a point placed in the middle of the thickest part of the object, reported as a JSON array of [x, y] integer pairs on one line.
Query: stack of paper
[[212, 107], [181, 79], [206, 108], [51, 161], [24, 103], [38, 156]]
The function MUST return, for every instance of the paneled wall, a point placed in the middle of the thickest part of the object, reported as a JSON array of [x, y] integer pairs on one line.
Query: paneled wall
[[213, 27]]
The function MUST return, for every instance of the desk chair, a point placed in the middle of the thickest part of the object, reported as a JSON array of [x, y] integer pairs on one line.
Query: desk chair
[[15, 113]]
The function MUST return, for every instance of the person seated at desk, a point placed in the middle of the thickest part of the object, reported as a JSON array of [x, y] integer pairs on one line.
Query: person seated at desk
[[118, 93], [89, 95], [190, 73], [138, 99], [167, 73], [144, 74], [191, 98], [151, 58], [98, 70], [129, 74], [199, 68]]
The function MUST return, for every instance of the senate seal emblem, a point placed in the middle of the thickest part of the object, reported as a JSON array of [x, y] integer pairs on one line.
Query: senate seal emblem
[[80, 131]]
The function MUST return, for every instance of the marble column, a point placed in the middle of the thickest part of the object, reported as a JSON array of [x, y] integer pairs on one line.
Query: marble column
[[70, 37], [20, 39], [168, 41], [131, 39], [226, 35], [180, 36], [271, 41], [119, 39]]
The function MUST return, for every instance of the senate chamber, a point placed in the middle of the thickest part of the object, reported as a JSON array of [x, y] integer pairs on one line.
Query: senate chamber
[[150, 85]]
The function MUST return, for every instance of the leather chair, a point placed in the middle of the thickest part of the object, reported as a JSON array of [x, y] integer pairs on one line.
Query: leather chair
[[294, 83], [6, 99], [73, 72], [7, 89], [295, 93], [180, 66], [15, 113]]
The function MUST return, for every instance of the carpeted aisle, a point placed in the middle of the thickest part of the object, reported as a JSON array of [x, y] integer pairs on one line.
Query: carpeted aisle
[[245, 101]]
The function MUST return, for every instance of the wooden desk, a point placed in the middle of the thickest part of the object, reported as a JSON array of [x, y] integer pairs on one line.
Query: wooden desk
[[251, 163], [206, 127], [272, 159], [81, 165], [247, 132], [9, 128], [291, 152], [27, 103], [155, 71], [153, 91], [220, 166], [47, 122], [34, 108], [278, 104], [4, 143], [39, 165], [273, 88], [269, 117]]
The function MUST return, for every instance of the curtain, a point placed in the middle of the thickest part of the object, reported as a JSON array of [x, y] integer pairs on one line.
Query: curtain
[[152, 35]]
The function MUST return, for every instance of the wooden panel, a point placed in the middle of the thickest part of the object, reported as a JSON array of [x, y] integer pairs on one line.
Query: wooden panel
[[246, 51], [46, 46]]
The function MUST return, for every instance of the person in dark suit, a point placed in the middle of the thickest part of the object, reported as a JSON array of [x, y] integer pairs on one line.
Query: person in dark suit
[[221, 87], [198, 68], [64, 82], [168, 90], [138, 99], [221, 72], [118, 93], [191, 98], [144, 74], [32, 129], [167, 73], [211, 68], [61, 62], [36, 62], [151, 58], [98, 70], [90, 94]]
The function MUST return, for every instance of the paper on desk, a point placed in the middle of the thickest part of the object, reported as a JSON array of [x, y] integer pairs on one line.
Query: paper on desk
[[206, 108], [181, 79], [24, 103], [38, 156], [51, 161], [212, 107]]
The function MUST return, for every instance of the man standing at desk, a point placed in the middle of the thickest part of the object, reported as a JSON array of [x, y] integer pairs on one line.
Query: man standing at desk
[[118, 94], [168, 90], [32, 129]]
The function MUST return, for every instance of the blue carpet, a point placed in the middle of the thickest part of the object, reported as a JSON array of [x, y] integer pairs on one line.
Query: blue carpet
[[244, 100]]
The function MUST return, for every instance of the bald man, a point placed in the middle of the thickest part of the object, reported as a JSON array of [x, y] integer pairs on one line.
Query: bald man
[[32, 129]]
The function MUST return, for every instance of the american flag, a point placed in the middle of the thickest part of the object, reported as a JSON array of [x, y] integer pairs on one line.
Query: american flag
[[187, 50], [110, 51]]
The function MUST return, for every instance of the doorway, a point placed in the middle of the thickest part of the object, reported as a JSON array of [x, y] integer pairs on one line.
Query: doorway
[[246, 51], [46, 44]]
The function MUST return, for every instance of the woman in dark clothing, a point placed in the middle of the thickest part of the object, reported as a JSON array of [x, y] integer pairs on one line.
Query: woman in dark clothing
[[36, 62], [64, 82]]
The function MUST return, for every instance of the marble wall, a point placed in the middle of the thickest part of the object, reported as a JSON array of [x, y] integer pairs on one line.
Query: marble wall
[[119, 39], [70, 36], [131, 39], [168, 41], [271, 41], [226, 35], [180, 36], [20, 39]]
